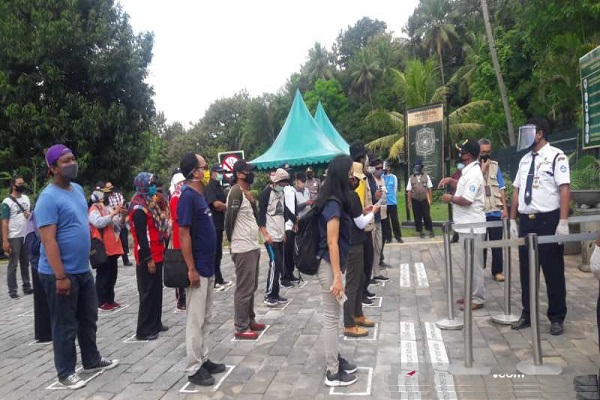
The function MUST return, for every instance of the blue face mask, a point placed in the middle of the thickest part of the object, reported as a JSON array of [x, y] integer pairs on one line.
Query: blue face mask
[[152, 190]]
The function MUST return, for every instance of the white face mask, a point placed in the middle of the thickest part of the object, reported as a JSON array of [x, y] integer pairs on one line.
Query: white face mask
[[526, 137]]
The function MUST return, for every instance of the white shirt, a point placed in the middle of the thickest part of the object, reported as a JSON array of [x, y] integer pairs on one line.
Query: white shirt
[[289, 199], [16, 218], [470, 186], [244, 237], [303, 197], [419, 176], [545, 194]]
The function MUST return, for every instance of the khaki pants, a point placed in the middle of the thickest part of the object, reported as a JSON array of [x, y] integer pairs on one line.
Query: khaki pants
[[332, 311], [478, 294], [377, 247], [199, 302], [246, 278]]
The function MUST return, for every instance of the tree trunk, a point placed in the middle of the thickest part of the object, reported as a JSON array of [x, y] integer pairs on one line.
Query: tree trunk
[[442, 68], [501, 86]]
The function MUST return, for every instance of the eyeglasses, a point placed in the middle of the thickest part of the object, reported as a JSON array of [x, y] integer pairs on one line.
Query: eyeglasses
[[378, 168]]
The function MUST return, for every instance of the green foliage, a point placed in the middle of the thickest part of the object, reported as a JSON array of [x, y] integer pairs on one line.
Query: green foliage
[[332, 96]]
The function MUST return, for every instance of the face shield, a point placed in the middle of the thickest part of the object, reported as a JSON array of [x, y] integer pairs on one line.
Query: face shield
[[526, 137]]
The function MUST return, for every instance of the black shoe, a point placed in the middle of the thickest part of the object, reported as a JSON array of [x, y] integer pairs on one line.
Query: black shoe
[[556, 328], [400, 240], [385, 265], [340, 379], [381, 278], [164, 328], [286, 283], [422, 235], [214, 368], [202, 377], [431, 234], [522, 323], [27, 290], [374, 282], [370, 295], [294, 279], [13, 296], [366, 301], [346, 365], [149, 337]]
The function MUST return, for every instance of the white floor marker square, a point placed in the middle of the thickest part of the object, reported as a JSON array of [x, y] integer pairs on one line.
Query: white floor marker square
[[255, 340], [345, 391], [132, 339], [218, 383]]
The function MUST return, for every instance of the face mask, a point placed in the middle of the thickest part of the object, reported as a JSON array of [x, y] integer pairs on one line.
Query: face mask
[[278, 188], [220, 177], [460, 166], [70, 171], [206, 178], [485, 157], [371, 170], [417, 170], [249, 178], [353, 184], [152, 190], [310, 175], [20, 189], [378, 173]]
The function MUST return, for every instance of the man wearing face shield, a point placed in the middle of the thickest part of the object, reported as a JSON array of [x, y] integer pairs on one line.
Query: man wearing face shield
[[468, 207], [541, 196], [312, 183], [419, 198]]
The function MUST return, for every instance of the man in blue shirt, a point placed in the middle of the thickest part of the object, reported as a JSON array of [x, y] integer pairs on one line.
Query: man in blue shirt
[[64, 271], [198, 240], [391, 184], [495, 203]]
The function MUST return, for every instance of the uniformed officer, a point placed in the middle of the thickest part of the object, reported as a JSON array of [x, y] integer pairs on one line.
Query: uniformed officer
[[541, 195], [312, 183]]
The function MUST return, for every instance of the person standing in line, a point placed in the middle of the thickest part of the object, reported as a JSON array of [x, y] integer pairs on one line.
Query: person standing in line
[[467, 207], [542, 197], [495, 203], [105, 223], [334, 245], [198, 240], [177, 184], [116, 200], [217, 201], [354, 318], [149, 231], [290, 217], [64, 270], [312, 183], [391, 224], [272, 227], [303, 201], [15, 211], [420, 197], [241, 229], [378, 193]]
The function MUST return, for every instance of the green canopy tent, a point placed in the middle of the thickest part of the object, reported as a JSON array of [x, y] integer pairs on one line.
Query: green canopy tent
[[329, 130], [300, 141]]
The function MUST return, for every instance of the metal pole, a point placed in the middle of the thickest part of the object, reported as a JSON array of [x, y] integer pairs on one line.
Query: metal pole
[[468, 311], [507, 317], [537, 366], [451, 322]]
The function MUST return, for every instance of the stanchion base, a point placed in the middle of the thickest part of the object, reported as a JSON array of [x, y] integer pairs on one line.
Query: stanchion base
[[529, 368], [504, 319], [458, 368], [450, 324]]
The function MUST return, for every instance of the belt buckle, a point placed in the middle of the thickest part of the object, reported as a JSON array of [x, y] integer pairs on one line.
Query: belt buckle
[[531, 216]]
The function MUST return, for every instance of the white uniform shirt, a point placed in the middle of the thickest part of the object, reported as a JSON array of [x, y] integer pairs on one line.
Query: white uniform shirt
[[419, 177], [470, 186], [303, 197], [289, 196], [545, 195]]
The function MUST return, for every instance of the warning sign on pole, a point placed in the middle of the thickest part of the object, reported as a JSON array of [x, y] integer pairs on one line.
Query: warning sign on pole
[[228, 158]]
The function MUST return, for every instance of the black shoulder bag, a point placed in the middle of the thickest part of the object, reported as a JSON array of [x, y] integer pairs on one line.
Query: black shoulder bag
[[175, 270]]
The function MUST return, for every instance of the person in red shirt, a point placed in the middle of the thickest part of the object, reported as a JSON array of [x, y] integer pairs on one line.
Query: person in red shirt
[[149, 230], [177, 184]]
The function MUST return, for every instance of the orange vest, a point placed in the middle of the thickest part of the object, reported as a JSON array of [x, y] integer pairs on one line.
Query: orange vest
[[111, 240]]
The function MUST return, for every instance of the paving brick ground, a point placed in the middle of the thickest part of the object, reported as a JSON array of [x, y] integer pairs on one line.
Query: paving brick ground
[[406, 356]]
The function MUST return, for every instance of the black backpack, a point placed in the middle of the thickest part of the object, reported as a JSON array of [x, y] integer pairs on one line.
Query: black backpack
[[306, 243]]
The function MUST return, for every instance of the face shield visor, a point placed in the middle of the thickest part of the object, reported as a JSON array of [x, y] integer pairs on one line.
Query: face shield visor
[[526, 137]]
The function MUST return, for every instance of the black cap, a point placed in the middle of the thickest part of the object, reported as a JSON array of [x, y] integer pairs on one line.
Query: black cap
[[541, 124], [217, 168], [357, 151], [242, 166], [469, 146], [301, 176]]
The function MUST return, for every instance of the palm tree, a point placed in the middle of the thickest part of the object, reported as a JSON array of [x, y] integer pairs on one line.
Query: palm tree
[[319, 63], [436, 31], [364, 74], [418, 84], [501, 86]]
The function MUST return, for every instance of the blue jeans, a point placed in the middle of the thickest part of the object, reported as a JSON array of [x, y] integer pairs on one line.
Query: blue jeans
[[73, 315]]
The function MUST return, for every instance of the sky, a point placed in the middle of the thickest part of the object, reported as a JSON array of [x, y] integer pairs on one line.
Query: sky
[[207, 50]]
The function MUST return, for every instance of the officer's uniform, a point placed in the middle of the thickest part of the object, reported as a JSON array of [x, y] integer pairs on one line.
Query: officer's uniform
[[494, 184], [541, 216]]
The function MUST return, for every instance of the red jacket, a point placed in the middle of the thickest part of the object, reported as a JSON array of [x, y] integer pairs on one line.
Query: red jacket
[[147, 242]]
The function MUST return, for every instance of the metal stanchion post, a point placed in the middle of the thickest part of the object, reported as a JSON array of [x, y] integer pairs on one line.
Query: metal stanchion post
[[469, 368], [536, 366], [507, 317], [450, 322]]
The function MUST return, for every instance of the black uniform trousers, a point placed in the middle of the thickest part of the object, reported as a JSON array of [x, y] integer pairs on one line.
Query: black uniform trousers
[[551, 261], [150, 290], [369, 254], [422, 213], [288, 255], [392, 219], [497, 258]]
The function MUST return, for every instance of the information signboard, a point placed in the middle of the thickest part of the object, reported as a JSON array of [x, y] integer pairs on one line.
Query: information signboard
[[589, 65], [426, 139]]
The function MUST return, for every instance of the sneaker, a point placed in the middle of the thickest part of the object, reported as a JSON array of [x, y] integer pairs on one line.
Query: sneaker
[[287, 283], [72, 381], [103, 364], [27, 290], [381, 278], [271, 302], [227, 283], [385, 265], [202, 377], [294, 279], [422, 235], [400, 240], [355, 331], [181, 307], [282, 300], [346, 365], [115, 304], [366, 301], [370, 295], [257, 326], [219, 287], [374, 282], [213, 368], [247, 335], [431, 234], [340, 379], [106, 307], [13, 296], [128, 264]]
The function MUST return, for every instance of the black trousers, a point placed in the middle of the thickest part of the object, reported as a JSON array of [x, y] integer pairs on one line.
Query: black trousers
[[368, 256], [552, 264], [288, 256], [150, 290], [391, 223], [218, 257], [124, 236], [422, 214], [275, 252], [497, 259], [42, 327], [106, 279], [354, 284]]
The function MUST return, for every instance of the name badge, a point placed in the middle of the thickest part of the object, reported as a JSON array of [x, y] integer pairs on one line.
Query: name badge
[[536, 182]]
